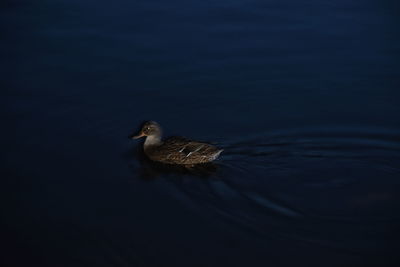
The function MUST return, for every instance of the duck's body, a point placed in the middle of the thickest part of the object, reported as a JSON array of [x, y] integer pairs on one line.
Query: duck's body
[[175, 150]]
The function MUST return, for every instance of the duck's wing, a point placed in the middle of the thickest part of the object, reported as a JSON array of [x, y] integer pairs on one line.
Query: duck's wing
[[188, 148]]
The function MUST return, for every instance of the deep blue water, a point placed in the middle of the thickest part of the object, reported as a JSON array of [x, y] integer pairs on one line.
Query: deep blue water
[[303, 96]]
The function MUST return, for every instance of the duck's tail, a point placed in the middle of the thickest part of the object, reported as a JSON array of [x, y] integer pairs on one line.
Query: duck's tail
[[216, 154]]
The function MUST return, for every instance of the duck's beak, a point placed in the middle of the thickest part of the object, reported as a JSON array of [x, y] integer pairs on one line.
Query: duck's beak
[[137, 136]]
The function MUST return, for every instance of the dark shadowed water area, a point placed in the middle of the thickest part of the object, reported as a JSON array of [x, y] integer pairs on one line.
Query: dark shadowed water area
[[303, 96]]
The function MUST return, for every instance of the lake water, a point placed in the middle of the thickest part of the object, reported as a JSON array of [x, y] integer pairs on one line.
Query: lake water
[[303, 96]]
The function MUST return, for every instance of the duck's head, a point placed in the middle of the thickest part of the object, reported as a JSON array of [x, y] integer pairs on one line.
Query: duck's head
[[150, 128]]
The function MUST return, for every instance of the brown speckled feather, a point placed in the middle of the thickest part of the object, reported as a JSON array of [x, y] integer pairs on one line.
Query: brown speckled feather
[[179, 150], [174, 150]]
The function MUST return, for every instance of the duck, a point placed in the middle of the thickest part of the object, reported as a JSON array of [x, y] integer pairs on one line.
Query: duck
[[176, 149]]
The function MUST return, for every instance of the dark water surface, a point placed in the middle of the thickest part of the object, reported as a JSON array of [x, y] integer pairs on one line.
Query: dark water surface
[[303, 96]]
